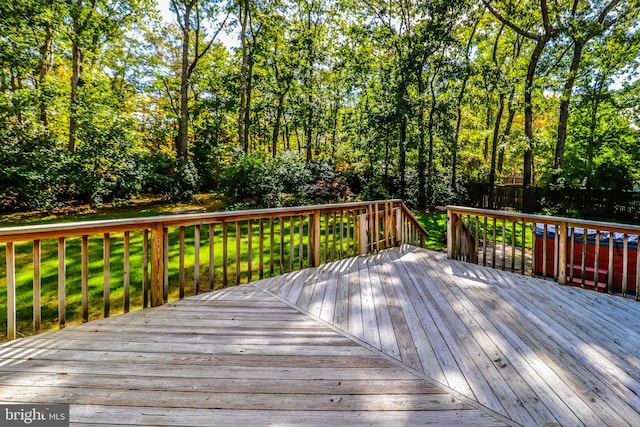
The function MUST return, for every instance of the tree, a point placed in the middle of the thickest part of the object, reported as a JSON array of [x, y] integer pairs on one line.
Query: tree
[[546, 32], [584, 25], [191, 17]]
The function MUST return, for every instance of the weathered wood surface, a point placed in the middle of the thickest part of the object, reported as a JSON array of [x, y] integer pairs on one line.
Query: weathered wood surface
[[534, 351], [238, 356]]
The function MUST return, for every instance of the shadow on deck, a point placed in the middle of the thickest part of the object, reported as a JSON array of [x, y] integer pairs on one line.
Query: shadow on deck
[[401, 337]]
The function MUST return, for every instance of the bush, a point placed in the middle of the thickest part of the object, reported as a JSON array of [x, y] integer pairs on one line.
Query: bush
[[250, 182], [33, 173], [106, 167]]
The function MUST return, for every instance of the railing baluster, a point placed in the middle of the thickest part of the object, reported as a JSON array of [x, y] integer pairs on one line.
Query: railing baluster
[[196, 259], [281, 223], [249, 250], [341, 234], [62, 282], [638, 270], [261, 244], [476, 238], [544, 250], [238, 241], [555, 252], [533, 248], [212, 253], [271, 245], [583, 264], [326, 237], [182, 278], [468, 242], [127, 272], [145, 268], [610, 273], [572, 244], [495, 244], [523, 247], [106, 243], [37, 285], [334, 237], [225, 250], [300, 242], [165, 264], [291, 243], [348, 250], [11, 290], [596, 262], [513, 245], [625, 260], [484, 243], [504, 244]]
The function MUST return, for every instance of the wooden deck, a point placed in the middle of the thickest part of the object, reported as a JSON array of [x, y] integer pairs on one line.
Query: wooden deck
[[402, 337]]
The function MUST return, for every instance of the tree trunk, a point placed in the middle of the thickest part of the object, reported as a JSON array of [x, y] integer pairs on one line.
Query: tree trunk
[[403, 155], [422, 179], [244, 15], [183, 120], [494, 150], [276, 125], [456, 137], [75, 79], [431, 125], [46, 62], [247, 109], [507, 130], [528, 116], [564, 103]]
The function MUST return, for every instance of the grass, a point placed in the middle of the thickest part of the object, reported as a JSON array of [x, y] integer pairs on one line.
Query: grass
[[436, 224], [145, 206]]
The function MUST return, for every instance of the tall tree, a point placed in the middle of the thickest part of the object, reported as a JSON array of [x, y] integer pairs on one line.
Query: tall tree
[[546, 31], [191, 16], [584, 25]]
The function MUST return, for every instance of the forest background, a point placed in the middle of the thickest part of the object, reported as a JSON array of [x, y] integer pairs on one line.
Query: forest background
[[316, 101]]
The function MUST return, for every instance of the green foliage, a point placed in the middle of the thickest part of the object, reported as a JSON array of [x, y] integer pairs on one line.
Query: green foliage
[[34, 174]]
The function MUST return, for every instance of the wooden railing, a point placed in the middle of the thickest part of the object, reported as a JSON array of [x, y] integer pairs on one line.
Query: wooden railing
[[596, 255], [55, 274]]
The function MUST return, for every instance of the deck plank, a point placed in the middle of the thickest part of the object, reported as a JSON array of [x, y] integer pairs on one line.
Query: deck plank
[[398, 337], [534, 351], [242, 357]]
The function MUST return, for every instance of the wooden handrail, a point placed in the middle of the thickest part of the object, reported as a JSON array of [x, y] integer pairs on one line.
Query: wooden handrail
[[267, 242], [590, 254]]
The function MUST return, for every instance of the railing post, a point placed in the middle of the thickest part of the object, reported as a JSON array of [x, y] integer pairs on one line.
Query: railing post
[[562, 254], [449, 233], [363, 241], [157, 264], [314, 239]]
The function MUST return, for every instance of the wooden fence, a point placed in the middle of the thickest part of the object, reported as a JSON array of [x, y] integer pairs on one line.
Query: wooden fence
[[596, 255], [57, 273], [595, 204]]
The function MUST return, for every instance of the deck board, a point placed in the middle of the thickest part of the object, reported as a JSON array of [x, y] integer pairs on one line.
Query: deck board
[[238, 356], [399, 337], [536, 352]]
